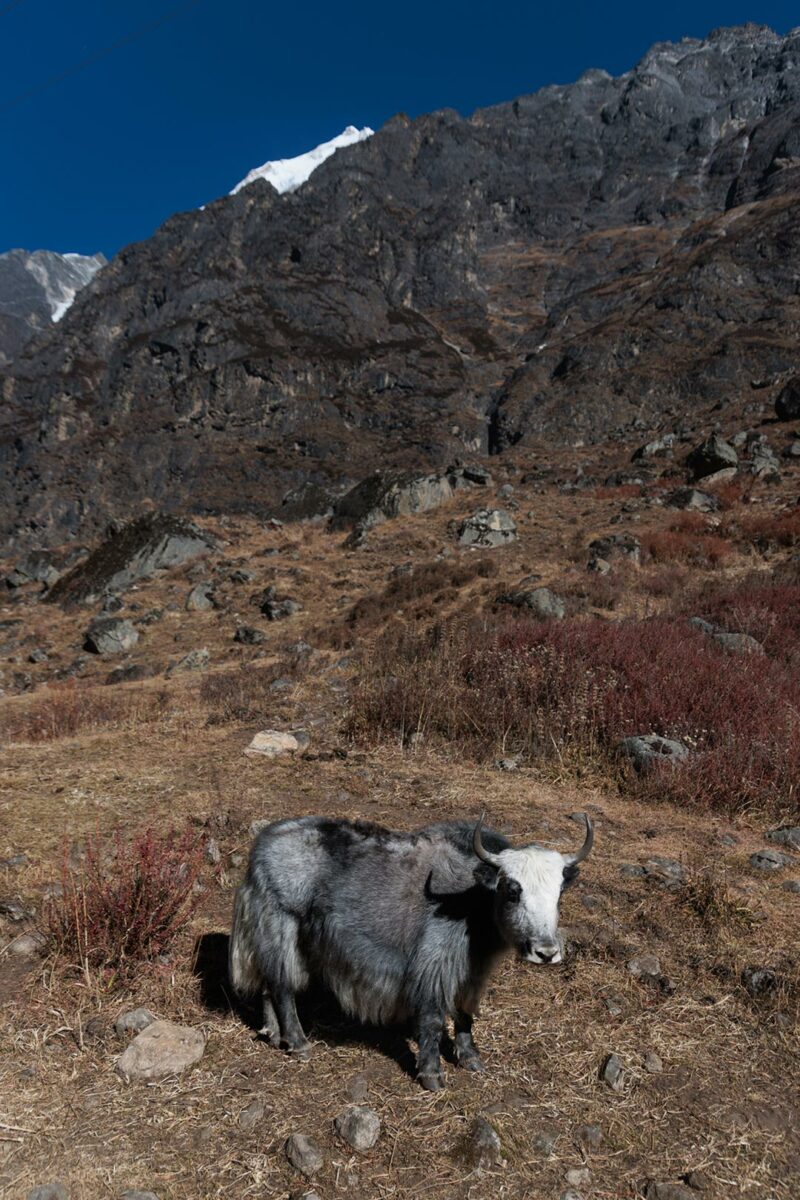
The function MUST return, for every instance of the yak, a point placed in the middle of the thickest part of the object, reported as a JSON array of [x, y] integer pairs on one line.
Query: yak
[[397, 925]]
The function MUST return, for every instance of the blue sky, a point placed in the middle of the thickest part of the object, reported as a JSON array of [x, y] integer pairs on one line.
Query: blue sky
[[177, 116]]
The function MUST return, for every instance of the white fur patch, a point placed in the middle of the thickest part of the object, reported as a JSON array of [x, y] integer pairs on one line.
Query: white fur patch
[[540, 874]]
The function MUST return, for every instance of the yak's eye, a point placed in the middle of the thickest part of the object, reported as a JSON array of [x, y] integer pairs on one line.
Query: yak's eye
[[513, 891]]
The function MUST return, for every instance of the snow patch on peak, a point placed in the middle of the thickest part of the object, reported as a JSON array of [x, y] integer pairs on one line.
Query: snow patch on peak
[[286, 174], [62, 276]]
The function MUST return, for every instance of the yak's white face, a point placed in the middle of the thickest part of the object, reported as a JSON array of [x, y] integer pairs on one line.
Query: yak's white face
[[529, 886]]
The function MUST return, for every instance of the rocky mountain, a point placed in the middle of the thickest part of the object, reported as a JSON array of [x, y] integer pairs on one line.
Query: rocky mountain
[[36, 290], [617, 250], [287, 174]]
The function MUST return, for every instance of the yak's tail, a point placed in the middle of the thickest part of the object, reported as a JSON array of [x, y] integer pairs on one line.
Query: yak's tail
[[243, 969]]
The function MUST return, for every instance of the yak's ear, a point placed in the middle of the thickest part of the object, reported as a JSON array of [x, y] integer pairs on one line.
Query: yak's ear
[[486, 876], [571, 873]]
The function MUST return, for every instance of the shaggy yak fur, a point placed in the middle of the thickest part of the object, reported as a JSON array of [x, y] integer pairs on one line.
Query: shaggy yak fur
[[396, 925]]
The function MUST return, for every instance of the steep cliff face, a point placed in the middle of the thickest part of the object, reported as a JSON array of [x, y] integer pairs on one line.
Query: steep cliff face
[[558, 264], [37, 289]]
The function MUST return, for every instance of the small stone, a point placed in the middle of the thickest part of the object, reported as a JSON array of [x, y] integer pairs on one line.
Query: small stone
[[652, 1063], [304, 1154], [200, 598], [615, 1005], [647, 967], [578, 1176], [699, 1181], [632, 871], [544, 1141], [248, 635], [570, 1194], [759, 981], [358, 1089], [272, 742], [612, 1073], [15, 911], [133, 1021], [485, 1149], [48, 1191], [792, 885], [251, 1116], [668, 1191], [785, 835], [360, 1127], [16, 862], [212, 852], [27, 945], [163, 1048], [664, 868], [195, 660], [590, 1136], [506, 764], [770, 860]]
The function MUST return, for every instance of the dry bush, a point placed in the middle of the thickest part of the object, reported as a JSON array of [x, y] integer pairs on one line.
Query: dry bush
[[771, 530], [668, 581], [126, 905], [769, 612], [691, 548], [623, 491], [572, 689], [67, 709], [240, 695]]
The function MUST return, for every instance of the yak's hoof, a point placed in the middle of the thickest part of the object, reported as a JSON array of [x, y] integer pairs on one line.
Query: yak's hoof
[[270, 1036], [302, 1052], [471, 1062], [433, 1082]]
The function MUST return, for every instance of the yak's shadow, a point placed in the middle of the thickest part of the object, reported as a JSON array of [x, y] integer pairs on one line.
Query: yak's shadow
[[319, 1013]]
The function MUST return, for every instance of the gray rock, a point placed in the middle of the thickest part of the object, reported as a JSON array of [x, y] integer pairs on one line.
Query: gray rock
[[276, 608], [759, 981], [647, 967], [735, 643], [163, 1048], [195, 660], [38, 655], [668, 1191], [48, 1191], [711, 456], [599, 566], [539, 601], [578, 1177], [648, 751], [612, 1073], [570, 1194], [247, 635], [133, 1021], [787, 404], [15, 910], [132, 552], [485, 1148], [358, 1089], [770, 860], [792, 885], [544, 1141], [665, 868], [28, 945], [652, 1063], [272, 742], [304, 1154], [386, 494], [632, 870], [590, 1136], [504, 492], [658, 448], [617, 545], [786, 835], [200, 598], [690, 500], [252, 1115], [110, 635], [792, 450], [507, 764], [488, 527], [212, 852], [360, 1127]]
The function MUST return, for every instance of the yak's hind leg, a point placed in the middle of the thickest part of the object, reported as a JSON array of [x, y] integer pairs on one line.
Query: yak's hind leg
[[292, 1035], [467, 1055], [270, 1030], [430, 1027]]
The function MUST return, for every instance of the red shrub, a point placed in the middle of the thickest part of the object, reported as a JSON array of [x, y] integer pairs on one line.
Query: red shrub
[[771, 529], [700, 550], [127, 904], [623, 491], [769, 612], [578, 686]]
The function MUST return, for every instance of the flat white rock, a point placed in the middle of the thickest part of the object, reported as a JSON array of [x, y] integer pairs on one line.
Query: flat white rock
[[272, 742], [163, 1048]]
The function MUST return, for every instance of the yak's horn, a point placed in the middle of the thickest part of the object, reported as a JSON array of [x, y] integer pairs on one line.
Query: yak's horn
[[587, 845], [479, 848]]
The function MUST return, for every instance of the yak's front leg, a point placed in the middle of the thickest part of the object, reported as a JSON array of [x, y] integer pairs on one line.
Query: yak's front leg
[[430, 1027], [292, 1034], [467, 1055], [270, 1029]]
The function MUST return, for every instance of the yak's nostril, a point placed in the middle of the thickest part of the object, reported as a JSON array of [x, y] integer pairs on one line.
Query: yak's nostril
[[547, 953]]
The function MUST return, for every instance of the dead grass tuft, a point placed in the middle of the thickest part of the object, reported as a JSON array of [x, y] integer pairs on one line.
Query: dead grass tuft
[[67, 709]]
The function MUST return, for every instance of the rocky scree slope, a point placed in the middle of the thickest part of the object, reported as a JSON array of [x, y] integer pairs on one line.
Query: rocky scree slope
[[612, 250]]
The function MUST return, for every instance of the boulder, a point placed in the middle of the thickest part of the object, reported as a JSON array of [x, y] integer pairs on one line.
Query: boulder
[[711, 456], [272, 742], [304, 1154], [386, 494], [110, 635], [471, 475], [691, 500], [200, 598], [787, 405], [276, 608], [195, 660], [132, 552], [786, 835], [247, 635], [734, 643], [488, 527], [163, 1048], [658, 448], [133, 1021], [617, 545], [40, 566], [539, 601], [648, 751], [770, 860]]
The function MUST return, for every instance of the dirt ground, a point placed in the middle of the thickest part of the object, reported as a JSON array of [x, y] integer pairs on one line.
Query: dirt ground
[[725, 1104]]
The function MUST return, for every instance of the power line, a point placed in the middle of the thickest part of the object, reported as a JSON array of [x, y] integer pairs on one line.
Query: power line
[[97, 56]]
